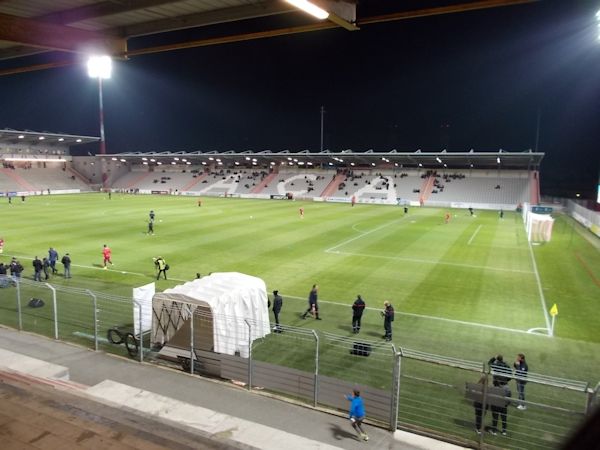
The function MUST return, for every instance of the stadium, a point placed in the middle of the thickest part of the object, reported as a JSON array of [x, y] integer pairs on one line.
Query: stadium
[[474, 260], [462, 290]]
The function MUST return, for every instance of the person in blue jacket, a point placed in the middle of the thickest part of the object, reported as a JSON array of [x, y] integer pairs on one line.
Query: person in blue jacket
[[357, 413]]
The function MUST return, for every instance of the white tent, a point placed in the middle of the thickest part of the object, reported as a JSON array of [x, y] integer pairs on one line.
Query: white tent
[[236, 303]]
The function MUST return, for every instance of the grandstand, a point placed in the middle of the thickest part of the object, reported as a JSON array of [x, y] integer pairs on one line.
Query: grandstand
[[489, 180]]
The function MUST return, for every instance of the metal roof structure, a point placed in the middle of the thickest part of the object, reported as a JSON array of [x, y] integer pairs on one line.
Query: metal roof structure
[[66, 30], [34, 138], [348, 158]]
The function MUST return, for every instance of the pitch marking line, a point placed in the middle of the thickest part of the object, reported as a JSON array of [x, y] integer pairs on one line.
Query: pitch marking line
[[113, 270], [363, 234], [540, 290], [423, 316], [426, 261], [474, 234]]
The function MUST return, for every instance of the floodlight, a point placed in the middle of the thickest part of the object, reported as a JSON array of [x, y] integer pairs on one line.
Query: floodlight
[[61, 139], [41, 138], [78, 140], [310, 8], [99, 67], [438, 159], [498, 160], [21, 136]]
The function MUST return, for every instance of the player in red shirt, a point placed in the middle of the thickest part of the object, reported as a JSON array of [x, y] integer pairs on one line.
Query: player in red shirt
[[1, 245], [106, 253], [301, 213], [353, 200]]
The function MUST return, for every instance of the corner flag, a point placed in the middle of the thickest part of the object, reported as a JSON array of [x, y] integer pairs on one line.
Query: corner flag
[[554, 310]]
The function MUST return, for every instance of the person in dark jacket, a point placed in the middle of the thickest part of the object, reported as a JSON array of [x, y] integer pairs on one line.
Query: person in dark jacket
[[313, 305], [15, 268], [277, 304], [388, 318], [500, 411], [46, 267], [357, 311], [478, 405], [521, 369], [37, 269], [66, 262], [501, 371]]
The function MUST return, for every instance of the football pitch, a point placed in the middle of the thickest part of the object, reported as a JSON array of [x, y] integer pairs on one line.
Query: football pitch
[[468, 289]]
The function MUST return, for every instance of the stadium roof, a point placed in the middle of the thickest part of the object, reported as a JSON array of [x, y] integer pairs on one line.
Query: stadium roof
[[8, 136], [68, 29], [348, 158]]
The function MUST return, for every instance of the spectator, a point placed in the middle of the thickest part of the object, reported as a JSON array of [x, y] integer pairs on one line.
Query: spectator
[[53, 258], [313, 305], [500, 411], [46, 266], [357, 413], [478, 404], [521, 369], [277, 304], [15, 268], [66, 262], [358, 308], [500, 370], [37, 269], [388, 318]]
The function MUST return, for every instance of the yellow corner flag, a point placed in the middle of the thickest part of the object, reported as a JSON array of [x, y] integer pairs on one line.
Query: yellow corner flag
[[554, 310]]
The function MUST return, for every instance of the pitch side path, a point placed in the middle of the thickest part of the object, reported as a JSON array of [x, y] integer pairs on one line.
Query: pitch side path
[[90, 368]]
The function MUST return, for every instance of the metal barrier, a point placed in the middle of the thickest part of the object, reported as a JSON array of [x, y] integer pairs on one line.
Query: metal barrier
[[402, 388]]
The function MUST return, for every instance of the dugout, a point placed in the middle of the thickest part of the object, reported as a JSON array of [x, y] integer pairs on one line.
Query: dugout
[[229, 311]]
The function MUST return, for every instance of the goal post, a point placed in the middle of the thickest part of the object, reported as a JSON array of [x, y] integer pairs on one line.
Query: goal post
[[537, 226]]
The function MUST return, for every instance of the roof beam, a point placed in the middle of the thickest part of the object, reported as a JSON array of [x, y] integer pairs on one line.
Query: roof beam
[[236, 13], [435, 11], [100, 9], [51, 36]]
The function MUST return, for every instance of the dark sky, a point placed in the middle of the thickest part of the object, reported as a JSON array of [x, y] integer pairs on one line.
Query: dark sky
[[469, 80]]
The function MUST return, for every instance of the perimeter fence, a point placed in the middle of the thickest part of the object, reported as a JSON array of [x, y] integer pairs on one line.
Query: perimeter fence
[[402, 388]]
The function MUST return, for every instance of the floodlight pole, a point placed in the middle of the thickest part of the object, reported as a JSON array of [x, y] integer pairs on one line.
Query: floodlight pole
[[103, 175], [100, 102], [322, 121]]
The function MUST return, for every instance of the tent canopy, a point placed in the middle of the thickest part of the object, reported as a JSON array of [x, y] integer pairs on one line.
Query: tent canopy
[[237, 302]]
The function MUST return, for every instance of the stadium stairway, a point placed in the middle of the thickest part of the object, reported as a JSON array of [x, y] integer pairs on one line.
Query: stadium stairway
[[76, 174], [332, 187], [193, 182], [117, 404], [137, 180], [426, 188], [18, 180], [264, 183]]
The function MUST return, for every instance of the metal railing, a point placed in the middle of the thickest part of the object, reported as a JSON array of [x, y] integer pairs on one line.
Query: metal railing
[[421, 392]]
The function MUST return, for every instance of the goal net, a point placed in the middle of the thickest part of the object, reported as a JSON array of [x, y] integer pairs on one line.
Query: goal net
[[537, 226]]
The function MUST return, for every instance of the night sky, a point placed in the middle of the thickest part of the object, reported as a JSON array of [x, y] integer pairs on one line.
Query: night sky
[[475, 80]]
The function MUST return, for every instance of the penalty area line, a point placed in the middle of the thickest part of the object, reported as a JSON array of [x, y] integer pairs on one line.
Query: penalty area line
[[424, 316], [363, 234]]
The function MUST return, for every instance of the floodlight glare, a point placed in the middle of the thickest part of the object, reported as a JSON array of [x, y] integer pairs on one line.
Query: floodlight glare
[[310, 8], [99, 67]]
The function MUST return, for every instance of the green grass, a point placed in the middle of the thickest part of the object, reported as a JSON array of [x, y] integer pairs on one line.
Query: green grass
[[475, 269], [467, 289]]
